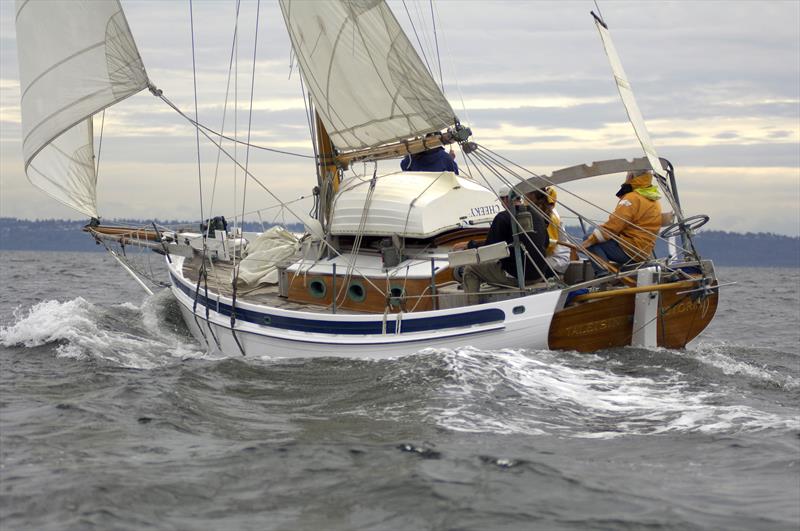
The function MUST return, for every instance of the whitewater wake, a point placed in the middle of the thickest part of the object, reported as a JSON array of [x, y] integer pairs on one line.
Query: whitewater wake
[[143, 337], [545, 392]]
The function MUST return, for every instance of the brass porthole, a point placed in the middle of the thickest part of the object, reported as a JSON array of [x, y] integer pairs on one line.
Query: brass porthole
[[317, 288], [356, 291], [397, 295]]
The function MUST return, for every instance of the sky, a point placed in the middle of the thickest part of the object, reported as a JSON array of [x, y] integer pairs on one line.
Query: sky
[[717, 82]]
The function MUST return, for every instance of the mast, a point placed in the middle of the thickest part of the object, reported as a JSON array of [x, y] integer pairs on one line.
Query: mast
[[327, 171]]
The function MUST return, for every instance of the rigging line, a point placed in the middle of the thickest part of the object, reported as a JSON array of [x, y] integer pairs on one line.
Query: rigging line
[[250, 114], [259, 211], [436, 40], [237, 267], [100, 145], [416, 35], [544, 215], [512, 218], [196, 116], [174, 107], [595, 225], [558, 186], [250, 145], [411, 205], [225, 109], [519, 226], [511, 185]]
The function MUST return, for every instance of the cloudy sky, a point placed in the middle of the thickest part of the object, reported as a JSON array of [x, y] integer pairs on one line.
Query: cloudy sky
[[718, 83]]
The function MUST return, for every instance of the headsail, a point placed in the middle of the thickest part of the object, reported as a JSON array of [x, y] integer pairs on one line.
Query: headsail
[[625, 92], [367, 82], [75, 58]]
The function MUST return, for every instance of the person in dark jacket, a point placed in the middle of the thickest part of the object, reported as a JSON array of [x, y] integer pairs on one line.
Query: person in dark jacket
[[504, 272], [436, 159]]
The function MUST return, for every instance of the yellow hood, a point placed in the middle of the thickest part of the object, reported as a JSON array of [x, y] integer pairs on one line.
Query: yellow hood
[[642, 181]]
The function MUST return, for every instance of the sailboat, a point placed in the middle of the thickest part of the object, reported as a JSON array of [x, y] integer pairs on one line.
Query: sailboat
[[376, 272]]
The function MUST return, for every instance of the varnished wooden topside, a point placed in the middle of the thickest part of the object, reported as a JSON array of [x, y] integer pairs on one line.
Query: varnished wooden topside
[[416, 292], [608, 323]]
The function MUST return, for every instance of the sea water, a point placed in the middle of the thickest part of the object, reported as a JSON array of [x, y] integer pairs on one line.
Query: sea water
[[112, 417]]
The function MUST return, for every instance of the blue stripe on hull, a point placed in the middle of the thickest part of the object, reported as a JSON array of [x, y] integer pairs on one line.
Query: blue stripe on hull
[[491, 315]]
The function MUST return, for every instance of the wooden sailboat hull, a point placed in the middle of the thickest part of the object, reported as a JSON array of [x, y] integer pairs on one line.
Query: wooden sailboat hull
[[261, 330], [532, 322], [608, 322]]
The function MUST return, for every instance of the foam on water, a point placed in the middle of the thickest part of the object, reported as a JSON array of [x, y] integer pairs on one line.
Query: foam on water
[[127, 335], [717, 356], [536, 392]]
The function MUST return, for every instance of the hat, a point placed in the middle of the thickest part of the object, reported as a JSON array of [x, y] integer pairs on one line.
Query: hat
[[552, 195], [503, 191]]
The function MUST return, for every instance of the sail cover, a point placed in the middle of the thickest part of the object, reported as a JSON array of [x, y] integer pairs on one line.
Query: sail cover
[[367, 82], [75, 58], [625, 92]]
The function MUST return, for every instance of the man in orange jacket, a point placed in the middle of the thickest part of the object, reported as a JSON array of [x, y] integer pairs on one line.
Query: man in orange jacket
[[629, 235]]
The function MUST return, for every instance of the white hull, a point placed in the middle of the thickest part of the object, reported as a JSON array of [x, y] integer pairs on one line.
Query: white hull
[[517, 323]]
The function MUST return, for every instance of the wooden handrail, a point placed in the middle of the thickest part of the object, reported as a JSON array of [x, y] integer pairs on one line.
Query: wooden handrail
[[637, 289]]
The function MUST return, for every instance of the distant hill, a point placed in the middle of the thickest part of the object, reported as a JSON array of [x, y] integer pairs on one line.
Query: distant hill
[[725, 248]]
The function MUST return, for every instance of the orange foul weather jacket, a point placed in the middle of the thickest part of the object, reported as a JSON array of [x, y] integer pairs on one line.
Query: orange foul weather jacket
[[636, 220]]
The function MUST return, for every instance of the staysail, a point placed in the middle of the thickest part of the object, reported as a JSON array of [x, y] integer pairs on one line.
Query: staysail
[[367, 82], [75, 58]]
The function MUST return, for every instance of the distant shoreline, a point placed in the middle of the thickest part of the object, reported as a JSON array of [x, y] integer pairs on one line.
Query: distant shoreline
[[724, 248]]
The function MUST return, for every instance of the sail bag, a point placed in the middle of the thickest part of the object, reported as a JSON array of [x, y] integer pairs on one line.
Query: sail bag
[[75, 58]]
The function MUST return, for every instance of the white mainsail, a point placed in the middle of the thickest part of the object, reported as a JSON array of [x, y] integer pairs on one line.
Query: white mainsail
[[367, 82], [75, 58], [628, 100]]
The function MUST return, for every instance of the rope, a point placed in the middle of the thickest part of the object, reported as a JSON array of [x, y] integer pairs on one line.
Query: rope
[[196, 115], [513, 219], [236, 267], [416, 35], [158, 93], [436, 40], [225, 109], [100, 145], [558, 186]]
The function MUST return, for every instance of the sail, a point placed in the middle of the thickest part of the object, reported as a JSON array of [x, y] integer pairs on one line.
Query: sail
[[75, 58], [625, 92], [367, 82]]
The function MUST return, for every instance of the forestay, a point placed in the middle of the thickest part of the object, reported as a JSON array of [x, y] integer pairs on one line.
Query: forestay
[[367, 82], [75, 58]]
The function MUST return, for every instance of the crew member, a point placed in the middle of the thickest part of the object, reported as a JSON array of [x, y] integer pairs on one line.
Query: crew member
[[557, 255], [629, 235], [504, 272]]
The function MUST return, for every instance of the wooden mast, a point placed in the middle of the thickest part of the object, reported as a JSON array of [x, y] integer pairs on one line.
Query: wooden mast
[[327, 171]]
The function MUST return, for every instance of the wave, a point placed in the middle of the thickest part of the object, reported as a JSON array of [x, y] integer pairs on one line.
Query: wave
[[721, 357], [143, 337], [544, 392]]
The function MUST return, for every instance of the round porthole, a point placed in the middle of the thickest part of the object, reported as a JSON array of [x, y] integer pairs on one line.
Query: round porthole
[[317, 288], [356, 292], [518, 310], [397, 295]]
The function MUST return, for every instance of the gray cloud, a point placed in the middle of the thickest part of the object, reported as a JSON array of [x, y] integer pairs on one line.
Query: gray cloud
[[688, 62]]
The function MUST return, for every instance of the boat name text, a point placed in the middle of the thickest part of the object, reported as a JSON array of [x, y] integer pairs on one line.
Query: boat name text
[[487, 210]]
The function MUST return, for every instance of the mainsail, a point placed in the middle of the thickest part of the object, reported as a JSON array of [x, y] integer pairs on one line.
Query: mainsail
[[75, 58], [367, 82], [626, 94]]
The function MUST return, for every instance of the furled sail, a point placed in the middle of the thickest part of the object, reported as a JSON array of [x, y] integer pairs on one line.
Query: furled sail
[[75, 58], [625, 92], [367, 82]]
